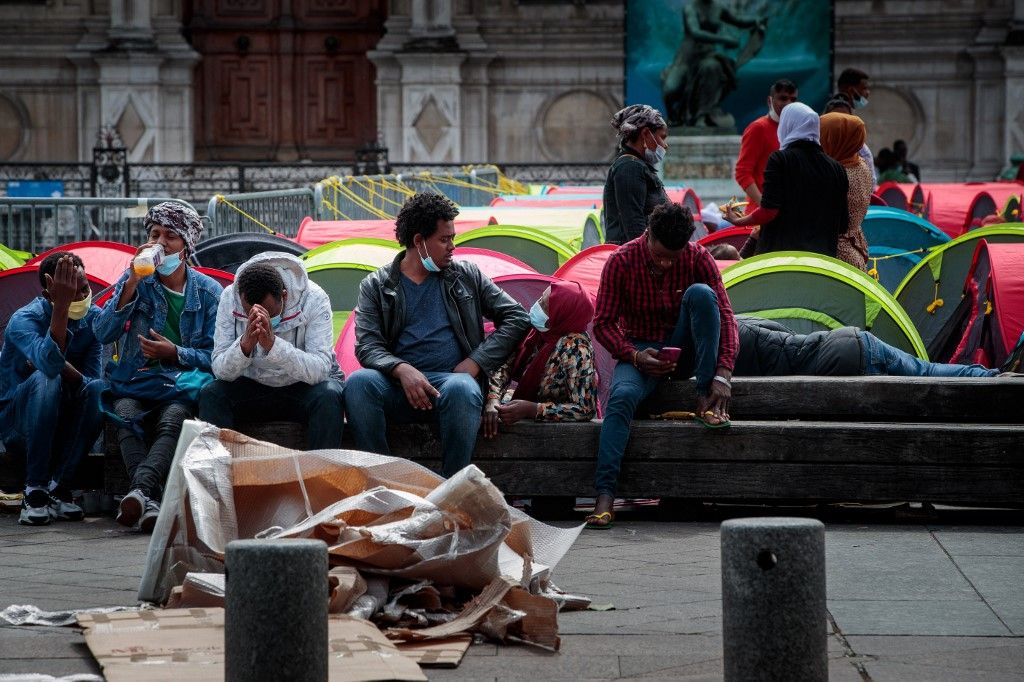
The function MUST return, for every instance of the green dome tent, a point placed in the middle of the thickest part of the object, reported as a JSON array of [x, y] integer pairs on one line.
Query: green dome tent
[[9, 261], [810, 293], [534, 246], [341, 282], [931, 293], [366, 250]]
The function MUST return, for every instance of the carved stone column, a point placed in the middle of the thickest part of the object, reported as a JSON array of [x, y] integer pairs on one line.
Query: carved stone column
[[432, 86], [135, 74]]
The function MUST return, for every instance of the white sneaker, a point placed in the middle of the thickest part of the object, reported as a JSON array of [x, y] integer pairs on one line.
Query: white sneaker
[[63, 505], [148, 521], [36, 509], [131, 508]]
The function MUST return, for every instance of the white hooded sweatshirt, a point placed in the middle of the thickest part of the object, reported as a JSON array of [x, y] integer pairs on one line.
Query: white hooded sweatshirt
[[303, 349]]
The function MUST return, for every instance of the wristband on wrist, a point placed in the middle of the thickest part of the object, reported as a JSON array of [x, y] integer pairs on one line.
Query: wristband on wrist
[[720, 378], [635, 353]]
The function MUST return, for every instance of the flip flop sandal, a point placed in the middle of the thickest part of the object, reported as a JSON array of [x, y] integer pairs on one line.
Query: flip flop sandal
[[702, 418], [592, 521]]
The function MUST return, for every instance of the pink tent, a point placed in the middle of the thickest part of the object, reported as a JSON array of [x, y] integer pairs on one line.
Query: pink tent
[[575, 189], [723, 264], [953, 207], [569, 201], [345, 348], [314, 233], [20, 285], [525, 288], [492, 263], [105, 260], [995, 290], [586, 266]]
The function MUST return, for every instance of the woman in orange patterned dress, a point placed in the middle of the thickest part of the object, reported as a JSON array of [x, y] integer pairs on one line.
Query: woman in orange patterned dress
[[842, 136]]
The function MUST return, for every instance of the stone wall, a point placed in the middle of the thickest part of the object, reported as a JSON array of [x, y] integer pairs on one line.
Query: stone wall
[[69, 67], [943, 79], [504, 80]]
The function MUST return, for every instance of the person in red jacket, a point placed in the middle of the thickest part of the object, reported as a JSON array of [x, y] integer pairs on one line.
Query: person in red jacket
[[760, 139]]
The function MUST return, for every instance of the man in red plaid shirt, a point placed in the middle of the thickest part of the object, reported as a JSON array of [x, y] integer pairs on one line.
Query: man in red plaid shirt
[[659, 291]]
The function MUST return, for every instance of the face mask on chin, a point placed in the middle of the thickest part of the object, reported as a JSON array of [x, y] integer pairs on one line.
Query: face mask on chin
[[860, 101], [771, 111], [170, 263], [428, 261]]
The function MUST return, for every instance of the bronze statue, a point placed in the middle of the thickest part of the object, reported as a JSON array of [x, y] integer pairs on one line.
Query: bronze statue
[[700, 76]]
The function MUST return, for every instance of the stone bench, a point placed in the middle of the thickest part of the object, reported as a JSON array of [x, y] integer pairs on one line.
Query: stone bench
[[792, 439]]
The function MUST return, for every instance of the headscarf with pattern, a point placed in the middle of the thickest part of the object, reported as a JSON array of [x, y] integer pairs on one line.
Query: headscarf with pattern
[[179, 218], [636, 117]]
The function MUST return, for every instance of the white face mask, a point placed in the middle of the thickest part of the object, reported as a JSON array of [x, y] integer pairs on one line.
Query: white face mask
[[656, 155], [771, 111]]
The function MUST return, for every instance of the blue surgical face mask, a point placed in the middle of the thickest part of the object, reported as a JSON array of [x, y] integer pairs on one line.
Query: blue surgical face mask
[[860, 101], [656, 155], [428, 261], [538, 318], [275, 321], [170, 263]]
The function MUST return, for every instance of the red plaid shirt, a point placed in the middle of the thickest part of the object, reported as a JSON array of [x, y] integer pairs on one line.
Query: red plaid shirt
[[634, 303]]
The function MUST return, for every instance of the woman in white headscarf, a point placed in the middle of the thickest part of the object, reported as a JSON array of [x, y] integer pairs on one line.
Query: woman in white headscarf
[[804, 203]]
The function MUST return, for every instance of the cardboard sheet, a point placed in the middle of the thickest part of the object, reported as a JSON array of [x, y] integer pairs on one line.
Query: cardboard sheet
[[177, 644]]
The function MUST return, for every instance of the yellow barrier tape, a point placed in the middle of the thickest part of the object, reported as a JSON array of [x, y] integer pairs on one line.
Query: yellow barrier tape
[[221, 199]]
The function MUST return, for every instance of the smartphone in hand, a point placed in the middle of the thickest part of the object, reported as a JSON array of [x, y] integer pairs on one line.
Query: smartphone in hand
[[669, 354]]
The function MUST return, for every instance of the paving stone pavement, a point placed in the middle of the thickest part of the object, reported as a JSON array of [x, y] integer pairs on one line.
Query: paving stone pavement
[[925, 602]]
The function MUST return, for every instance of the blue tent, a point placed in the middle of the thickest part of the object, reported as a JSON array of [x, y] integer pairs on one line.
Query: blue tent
[[897, 241]]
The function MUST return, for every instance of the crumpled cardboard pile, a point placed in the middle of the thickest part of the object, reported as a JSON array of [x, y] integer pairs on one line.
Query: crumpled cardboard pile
[[427, 560]]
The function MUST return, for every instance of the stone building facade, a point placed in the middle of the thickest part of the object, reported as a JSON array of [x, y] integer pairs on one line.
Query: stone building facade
[[513, 81]]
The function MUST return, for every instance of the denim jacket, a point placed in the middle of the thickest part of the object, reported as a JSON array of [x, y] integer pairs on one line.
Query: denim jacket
[[27, 340], [148, 310]]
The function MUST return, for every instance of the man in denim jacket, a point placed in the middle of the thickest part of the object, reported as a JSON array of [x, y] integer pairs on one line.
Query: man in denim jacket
[[50, 384], [164, 320]]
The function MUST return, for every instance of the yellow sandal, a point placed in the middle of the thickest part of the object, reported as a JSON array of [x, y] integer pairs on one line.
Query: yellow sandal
[[592, 521]]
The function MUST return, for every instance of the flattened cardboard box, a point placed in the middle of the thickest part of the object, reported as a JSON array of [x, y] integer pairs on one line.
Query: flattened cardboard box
[[177, 644]]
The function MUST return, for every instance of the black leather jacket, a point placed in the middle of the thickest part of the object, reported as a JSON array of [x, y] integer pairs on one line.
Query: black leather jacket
[[469, 298]]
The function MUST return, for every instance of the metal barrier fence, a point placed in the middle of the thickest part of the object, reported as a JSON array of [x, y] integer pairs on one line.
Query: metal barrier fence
[[274, 211], [366, 197], [38, 224]]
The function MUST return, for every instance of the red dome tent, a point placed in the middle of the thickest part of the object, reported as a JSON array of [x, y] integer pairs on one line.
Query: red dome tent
[[895, 194], [953, 207], [995, 290], [493, 263], [18, 286], [314, 233], [586, 266], [107, 261], [733, 236]]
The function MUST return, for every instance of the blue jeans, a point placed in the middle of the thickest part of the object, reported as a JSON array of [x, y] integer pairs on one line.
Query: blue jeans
[[881, 359], [697, 333], [54, 423], [372, 400], [319, 407]]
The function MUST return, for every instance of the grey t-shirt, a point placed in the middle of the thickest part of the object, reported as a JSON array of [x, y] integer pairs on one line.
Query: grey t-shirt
[[427, 342]]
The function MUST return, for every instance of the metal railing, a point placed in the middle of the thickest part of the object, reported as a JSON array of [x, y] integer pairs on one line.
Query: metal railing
[[274, 211], [38, 224]]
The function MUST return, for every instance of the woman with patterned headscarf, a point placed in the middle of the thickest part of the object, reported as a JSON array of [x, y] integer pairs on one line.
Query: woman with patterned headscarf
[[842, 137], [162, 322], [633, 188]]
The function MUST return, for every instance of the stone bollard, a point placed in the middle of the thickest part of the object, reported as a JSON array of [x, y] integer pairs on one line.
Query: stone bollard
[[275, 618], [774, 617]]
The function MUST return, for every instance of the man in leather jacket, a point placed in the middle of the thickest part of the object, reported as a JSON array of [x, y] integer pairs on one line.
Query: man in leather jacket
[[420, 337]]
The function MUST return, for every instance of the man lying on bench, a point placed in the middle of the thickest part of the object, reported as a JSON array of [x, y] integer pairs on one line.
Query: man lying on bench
[[769, 349]]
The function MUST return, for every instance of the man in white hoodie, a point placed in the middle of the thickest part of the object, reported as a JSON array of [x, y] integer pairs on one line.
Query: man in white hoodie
[[273, 352]]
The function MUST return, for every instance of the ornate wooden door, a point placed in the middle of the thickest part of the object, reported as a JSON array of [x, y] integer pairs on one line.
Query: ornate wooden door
[[284, 79]]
